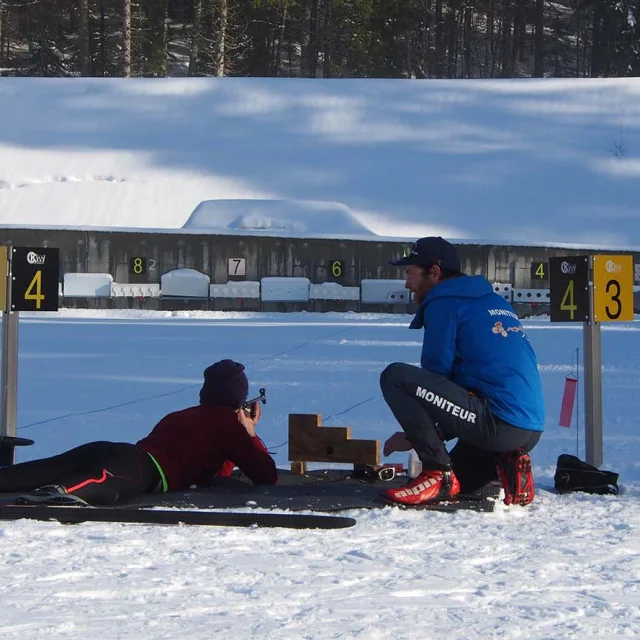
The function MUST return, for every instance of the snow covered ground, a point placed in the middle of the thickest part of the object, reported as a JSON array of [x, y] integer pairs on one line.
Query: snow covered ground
[[541, 162], [565, 567], [509, 161]]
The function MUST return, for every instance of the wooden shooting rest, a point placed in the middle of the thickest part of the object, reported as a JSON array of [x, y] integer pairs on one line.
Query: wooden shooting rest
[[309, 441]]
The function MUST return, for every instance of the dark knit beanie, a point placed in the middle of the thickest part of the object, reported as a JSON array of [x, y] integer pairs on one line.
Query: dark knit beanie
[[225, 384]]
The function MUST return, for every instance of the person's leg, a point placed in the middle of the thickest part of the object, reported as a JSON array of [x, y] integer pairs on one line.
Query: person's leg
[[475, 467], [532, 439], [431, 410], [118, 472], [514, 470], [97, 472], [36, 473]]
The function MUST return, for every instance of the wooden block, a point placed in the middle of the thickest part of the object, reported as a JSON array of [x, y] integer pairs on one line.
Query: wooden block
[[297, 420], [306, 435], [309, 441], [299, 468], [352, 451], [305, 444]]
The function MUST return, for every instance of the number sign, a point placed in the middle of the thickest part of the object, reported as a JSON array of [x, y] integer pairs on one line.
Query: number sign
[[613, 288], [138, 266], [35, 276], [141, 269], [237, 267], [336, 268], [539, 271], [569, 289]]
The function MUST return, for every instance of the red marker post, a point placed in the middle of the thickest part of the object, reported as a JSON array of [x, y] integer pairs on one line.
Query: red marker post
[[568, 401]]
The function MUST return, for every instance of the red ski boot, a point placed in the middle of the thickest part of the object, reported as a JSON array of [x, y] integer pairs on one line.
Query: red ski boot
[[514, 471], [429, 486]]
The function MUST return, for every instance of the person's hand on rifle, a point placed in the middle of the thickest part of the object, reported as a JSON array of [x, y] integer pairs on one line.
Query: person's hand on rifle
[[245, 419]]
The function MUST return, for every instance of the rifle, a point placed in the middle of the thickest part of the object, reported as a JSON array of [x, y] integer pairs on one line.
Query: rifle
[[250, 405]]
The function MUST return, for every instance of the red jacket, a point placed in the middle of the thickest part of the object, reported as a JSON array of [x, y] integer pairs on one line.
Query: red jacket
[[196, 444]]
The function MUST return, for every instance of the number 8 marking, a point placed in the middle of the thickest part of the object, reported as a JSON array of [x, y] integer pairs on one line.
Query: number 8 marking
[[137, 266]]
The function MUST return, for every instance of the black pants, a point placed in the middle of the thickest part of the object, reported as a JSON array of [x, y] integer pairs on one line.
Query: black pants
[[432, 409], [98, 472]]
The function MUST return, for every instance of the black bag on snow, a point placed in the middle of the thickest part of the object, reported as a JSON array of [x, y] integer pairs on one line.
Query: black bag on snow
[[574, 475]]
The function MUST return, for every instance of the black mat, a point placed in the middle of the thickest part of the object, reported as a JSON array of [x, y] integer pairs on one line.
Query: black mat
[[323, 491]]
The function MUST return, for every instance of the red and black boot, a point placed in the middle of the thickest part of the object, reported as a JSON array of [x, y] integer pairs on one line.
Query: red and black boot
[[514, 471], [429, 486]]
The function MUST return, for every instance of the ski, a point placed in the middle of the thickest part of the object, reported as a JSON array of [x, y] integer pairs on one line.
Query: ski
[[75, 515], [482, 506]]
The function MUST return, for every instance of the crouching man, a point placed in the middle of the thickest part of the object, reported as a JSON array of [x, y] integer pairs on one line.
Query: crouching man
[[478, 382]]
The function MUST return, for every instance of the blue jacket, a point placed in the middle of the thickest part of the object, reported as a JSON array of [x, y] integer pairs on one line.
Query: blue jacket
[[473, 337]]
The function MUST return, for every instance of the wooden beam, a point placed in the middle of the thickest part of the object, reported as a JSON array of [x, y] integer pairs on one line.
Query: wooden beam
[[309, 441], [298, 468]]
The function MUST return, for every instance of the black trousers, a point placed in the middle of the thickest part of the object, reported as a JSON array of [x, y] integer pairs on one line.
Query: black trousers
[[432, 410], [98, 472]]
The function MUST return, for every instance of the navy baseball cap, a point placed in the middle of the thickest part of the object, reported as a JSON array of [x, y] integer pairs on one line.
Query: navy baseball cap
[[428, 251]]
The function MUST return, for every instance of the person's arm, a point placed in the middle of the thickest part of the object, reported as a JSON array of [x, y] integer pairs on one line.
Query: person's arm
[[440, 330], [248, 451]]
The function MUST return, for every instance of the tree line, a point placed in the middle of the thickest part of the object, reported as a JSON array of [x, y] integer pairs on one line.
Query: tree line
[[320, 38]]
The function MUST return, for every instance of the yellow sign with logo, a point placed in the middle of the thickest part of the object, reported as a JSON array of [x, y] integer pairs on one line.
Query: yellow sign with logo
[[3, 278], [612, 288]]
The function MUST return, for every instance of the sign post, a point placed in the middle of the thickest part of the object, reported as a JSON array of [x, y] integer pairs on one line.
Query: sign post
[[592, 290], [591, 342], [611, 301], [9, 369], [30, 277]]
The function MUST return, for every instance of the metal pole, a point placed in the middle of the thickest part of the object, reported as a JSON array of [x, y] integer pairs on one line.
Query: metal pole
[[592, 383], [9, 375]]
